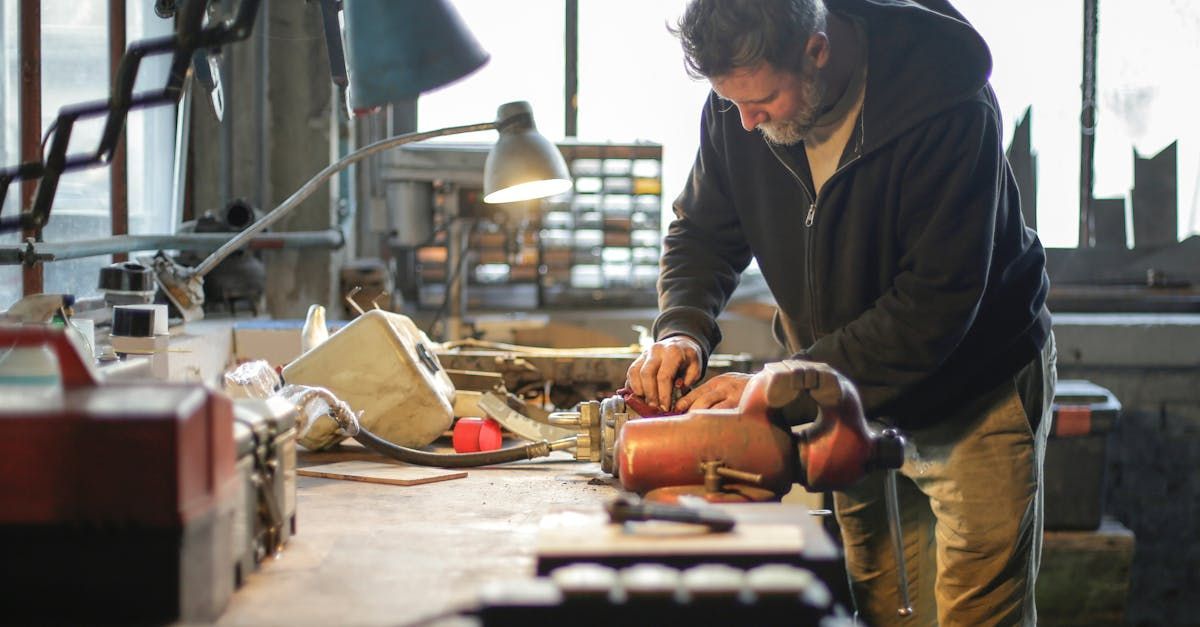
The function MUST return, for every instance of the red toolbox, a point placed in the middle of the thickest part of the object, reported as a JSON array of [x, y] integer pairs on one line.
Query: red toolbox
[[116, 499]]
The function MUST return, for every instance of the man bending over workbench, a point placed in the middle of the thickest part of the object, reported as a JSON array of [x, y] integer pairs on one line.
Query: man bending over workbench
[[854, 149]]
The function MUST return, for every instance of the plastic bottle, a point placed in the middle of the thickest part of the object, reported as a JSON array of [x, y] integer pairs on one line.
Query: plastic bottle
[[29, 375], [314, 331]]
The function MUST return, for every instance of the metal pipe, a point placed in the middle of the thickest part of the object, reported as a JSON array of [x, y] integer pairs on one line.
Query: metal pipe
[[262, 115], [37, 252], [1087, 123], [119, 188], [225, 126], [457, 233], [891, 499], [30, 59], [571, 66], [531, 450], [183, 135], [311, 185]]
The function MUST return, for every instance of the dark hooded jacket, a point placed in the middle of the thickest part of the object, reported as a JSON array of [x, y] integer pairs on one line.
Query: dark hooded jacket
[[912, 272]]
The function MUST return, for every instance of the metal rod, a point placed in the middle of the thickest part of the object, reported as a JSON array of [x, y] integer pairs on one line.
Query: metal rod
[[1087, 123], [225, 125], [892, 498], [457, 232], [739, 475], [31, 124], [54, 251], [571, 67], [565, 443], [183, 136], [262, 113], [311, 185], [369, 237], [119, 188]]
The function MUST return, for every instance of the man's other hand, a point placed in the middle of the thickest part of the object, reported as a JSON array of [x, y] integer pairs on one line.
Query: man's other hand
[[652, 375], [723, 391]]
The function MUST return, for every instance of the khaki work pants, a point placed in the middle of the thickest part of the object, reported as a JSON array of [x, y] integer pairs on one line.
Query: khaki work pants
[[971, 511]]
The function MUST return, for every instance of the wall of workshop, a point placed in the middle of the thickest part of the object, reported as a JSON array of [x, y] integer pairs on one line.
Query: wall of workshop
[[1151, 364], [298, 101]]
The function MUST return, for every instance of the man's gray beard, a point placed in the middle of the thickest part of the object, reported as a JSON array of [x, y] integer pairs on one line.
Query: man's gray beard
[[796, 129]]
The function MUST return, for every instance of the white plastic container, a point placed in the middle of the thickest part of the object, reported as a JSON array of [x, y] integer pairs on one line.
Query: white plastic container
[[29, 376], [382, 365]]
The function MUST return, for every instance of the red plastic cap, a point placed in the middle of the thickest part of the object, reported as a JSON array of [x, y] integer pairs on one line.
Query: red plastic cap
[[473, 434]]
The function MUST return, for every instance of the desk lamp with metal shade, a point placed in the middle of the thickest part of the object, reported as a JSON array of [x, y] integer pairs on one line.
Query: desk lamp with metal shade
[[395, 51]]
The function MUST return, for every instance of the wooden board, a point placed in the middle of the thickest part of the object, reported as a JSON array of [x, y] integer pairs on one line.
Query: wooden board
[[570, 537], [381, 472], [1084, 578], [658, 539]]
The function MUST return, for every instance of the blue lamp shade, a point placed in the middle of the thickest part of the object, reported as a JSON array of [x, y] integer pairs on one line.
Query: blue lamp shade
[[523, 164], [396, 49]]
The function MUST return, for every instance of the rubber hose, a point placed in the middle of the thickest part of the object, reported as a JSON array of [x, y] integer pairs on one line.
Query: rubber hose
[[451, 460]]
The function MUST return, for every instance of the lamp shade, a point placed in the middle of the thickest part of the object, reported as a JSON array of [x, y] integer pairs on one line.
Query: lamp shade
[[522, 165], [396, 49]]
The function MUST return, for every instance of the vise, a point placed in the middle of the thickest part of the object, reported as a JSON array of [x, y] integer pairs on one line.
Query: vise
[[742, 454]]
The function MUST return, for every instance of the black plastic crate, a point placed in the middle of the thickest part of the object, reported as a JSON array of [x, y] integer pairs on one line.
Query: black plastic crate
[[1084, 414]]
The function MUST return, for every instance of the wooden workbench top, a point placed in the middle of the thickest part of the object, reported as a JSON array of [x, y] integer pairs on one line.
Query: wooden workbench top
[[372, 554], [377, 554]]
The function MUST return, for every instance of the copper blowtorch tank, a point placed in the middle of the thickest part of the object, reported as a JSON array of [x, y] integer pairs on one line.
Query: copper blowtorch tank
[[672, 451]]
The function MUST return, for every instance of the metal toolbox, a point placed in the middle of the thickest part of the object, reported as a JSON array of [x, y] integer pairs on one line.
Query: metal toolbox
[[265, 516], [115, 499]]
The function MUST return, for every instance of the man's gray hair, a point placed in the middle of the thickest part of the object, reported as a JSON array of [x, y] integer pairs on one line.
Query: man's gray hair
[[719, 36]]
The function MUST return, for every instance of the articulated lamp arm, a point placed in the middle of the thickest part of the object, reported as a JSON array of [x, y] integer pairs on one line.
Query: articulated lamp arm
[[312, 184], [522, 165]]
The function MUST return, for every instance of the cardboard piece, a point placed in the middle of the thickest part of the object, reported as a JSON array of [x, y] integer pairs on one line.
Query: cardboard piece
[[381, 472], [276, 341]]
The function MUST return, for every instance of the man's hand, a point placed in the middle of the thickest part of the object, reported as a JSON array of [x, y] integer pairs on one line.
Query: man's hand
[[652, 375], [720, 392]]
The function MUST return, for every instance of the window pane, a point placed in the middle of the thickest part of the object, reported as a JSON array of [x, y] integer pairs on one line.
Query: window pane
[[1046, 77], [75, 69], [1149, 58], [632, 84], [150, 133], [526, 64], [10, 140]]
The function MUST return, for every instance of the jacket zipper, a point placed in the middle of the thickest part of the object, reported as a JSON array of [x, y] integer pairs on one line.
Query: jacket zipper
[[814, 199]]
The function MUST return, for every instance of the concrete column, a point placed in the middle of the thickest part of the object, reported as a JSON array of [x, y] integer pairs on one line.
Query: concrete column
[[298, 102], [299, 99]]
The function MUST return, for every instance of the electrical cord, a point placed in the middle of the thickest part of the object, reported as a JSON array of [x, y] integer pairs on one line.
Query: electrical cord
[[348, 425], [459, 460]]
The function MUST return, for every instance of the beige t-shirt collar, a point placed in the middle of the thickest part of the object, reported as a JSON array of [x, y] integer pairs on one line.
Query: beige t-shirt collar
[[827, 141]]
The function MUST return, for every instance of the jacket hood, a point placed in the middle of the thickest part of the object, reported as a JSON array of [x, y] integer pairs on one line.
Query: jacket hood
[[923, 58]]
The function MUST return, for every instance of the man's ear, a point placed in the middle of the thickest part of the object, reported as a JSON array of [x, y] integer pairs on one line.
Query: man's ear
[[817, 49]]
